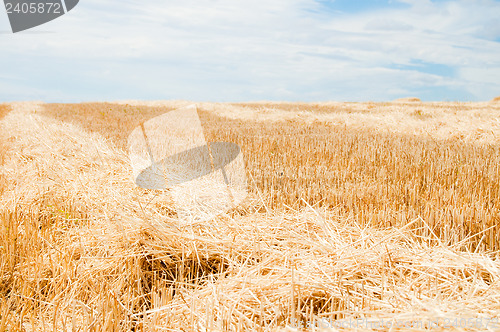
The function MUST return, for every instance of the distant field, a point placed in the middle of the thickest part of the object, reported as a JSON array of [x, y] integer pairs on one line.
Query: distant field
[[356, 210]]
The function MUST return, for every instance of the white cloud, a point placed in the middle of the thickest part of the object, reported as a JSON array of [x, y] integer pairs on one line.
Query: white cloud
[[234, 50], [482, 81], [388, 25]]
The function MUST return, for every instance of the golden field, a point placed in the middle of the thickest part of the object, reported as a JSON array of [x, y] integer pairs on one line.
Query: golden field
[[356, 211]]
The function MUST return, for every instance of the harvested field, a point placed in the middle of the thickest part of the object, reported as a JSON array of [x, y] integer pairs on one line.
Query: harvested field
[[377, 178], [470, 122], [357, 210]]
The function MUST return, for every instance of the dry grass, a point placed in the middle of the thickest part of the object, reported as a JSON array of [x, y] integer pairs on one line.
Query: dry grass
[[80, 250], [496, 100]]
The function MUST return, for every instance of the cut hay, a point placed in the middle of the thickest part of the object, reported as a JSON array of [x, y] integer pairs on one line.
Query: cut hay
[[83, 248], [496, 100]]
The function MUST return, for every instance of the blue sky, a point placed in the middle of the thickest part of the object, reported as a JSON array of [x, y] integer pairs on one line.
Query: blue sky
[[228, 50], [353, 7]]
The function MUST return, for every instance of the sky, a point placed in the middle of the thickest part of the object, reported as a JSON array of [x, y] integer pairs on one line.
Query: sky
[[276, 50]]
